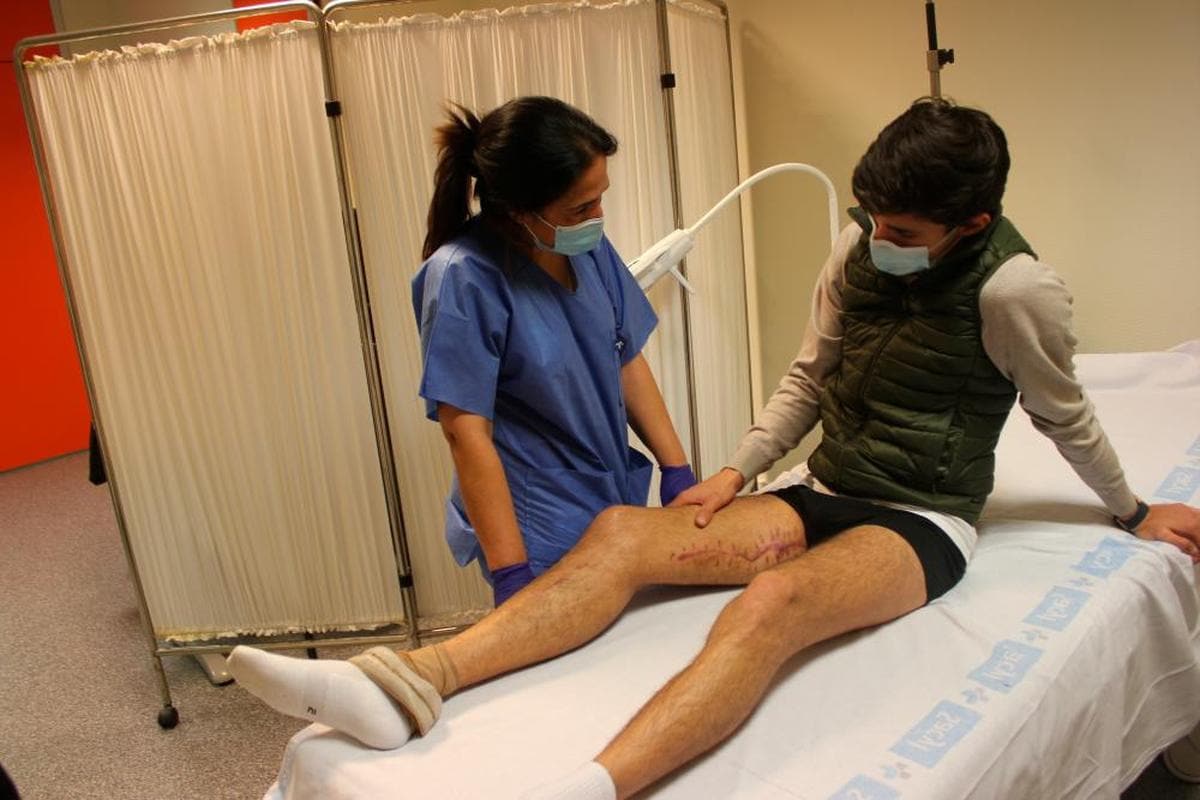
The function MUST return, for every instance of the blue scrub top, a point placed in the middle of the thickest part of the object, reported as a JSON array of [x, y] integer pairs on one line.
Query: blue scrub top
[[543, 363]]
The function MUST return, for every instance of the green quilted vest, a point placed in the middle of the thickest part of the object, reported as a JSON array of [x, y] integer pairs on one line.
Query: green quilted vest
[[915, 408]]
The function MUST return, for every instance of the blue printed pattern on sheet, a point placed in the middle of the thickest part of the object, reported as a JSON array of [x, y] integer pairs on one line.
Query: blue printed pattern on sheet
[[1060, 607], [949, 723], [935, 735], [943, 728], [864, 788], [1180, 484], [1009, 664], [1107, 558]]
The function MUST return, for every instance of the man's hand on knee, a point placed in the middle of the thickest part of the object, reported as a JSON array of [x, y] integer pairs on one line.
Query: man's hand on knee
[[711, 495]]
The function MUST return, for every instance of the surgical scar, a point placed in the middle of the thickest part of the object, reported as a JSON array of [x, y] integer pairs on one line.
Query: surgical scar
[[770, 550]]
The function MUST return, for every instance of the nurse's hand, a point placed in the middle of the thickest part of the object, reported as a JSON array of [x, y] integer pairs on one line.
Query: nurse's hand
[[1175, 523], [509, 580], [711, 495], [673, 481]]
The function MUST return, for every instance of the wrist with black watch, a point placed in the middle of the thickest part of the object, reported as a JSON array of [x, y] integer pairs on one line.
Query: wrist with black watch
[[1131, 522]]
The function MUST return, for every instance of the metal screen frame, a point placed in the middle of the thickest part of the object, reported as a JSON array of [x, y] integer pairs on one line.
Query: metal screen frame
[[411, 631], [168, 715]]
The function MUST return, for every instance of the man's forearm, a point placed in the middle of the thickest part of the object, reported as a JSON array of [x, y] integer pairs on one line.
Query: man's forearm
[[795, 406], [1027, 334]]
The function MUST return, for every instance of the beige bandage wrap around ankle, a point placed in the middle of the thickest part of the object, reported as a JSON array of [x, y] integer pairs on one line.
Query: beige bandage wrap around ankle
[[434, 665], [393, 673]]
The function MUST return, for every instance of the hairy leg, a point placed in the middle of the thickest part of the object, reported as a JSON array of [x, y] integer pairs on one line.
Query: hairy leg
[[863, 577], [625, 549]]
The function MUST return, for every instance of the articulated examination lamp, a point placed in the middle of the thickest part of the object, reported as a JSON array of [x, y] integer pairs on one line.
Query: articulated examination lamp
[[662, 258]]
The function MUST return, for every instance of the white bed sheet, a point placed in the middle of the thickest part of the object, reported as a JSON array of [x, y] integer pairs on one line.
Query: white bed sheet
[[1065, 660]]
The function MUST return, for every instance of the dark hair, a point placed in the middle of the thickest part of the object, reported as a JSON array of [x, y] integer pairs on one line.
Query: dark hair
[[522, 155], [937, 160]]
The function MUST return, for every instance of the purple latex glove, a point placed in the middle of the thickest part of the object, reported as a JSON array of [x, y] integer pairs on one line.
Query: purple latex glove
[[506, 581], [674, 480]]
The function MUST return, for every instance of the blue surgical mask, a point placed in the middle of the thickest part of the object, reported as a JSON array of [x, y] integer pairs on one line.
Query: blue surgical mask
[[571, 240], [895, 260]]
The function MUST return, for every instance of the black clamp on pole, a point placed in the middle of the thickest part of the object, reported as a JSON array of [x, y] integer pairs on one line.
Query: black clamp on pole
[[935, 58]]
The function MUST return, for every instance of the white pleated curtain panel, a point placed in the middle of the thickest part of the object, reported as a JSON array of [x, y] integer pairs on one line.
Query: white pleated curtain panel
[[707, 146], [201, 230], [395, 77], [197, 195]]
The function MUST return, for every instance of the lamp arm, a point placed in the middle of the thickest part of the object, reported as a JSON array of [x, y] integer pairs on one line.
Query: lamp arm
[[662, 258], [830, 193]]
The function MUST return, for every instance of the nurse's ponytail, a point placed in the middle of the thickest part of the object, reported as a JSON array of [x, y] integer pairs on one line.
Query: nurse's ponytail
[[450, 206], [522, 156]]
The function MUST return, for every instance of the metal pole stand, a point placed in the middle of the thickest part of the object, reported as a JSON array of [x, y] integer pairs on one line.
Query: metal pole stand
[[935, 58]]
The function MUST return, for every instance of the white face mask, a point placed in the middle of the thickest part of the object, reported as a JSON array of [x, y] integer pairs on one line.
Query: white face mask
[[895, 260]]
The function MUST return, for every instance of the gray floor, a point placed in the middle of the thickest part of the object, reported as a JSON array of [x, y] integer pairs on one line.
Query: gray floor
[[78, 695]]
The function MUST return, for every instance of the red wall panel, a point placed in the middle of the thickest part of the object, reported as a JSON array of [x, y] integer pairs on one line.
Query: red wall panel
[[247, 23], [43, 406]]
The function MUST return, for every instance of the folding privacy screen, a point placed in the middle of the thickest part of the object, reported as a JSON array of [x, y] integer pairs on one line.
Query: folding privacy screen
[[237, 219]]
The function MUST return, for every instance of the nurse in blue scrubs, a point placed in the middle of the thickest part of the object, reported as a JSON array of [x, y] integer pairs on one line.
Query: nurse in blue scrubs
[[532, 331]]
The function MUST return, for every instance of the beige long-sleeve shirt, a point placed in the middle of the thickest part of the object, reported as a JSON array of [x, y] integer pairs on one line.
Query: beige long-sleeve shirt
[[1026, 312]]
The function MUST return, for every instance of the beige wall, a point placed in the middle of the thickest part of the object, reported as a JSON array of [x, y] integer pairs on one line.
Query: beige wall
[[412, 7], [78, 15], [1101, 104]]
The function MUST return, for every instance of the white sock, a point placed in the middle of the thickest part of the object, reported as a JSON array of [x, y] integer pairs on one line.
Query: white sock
[[334, 693], [589, 782]]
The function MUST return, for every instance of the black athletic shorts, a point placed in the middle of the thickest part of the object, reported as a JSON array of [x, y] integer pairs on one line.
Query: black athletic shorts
[[826, 515]]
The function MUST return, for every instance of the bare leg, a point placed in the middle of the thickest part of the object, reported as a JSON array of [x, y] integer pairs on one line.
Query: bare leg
[[625, 549], [865, 576]]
